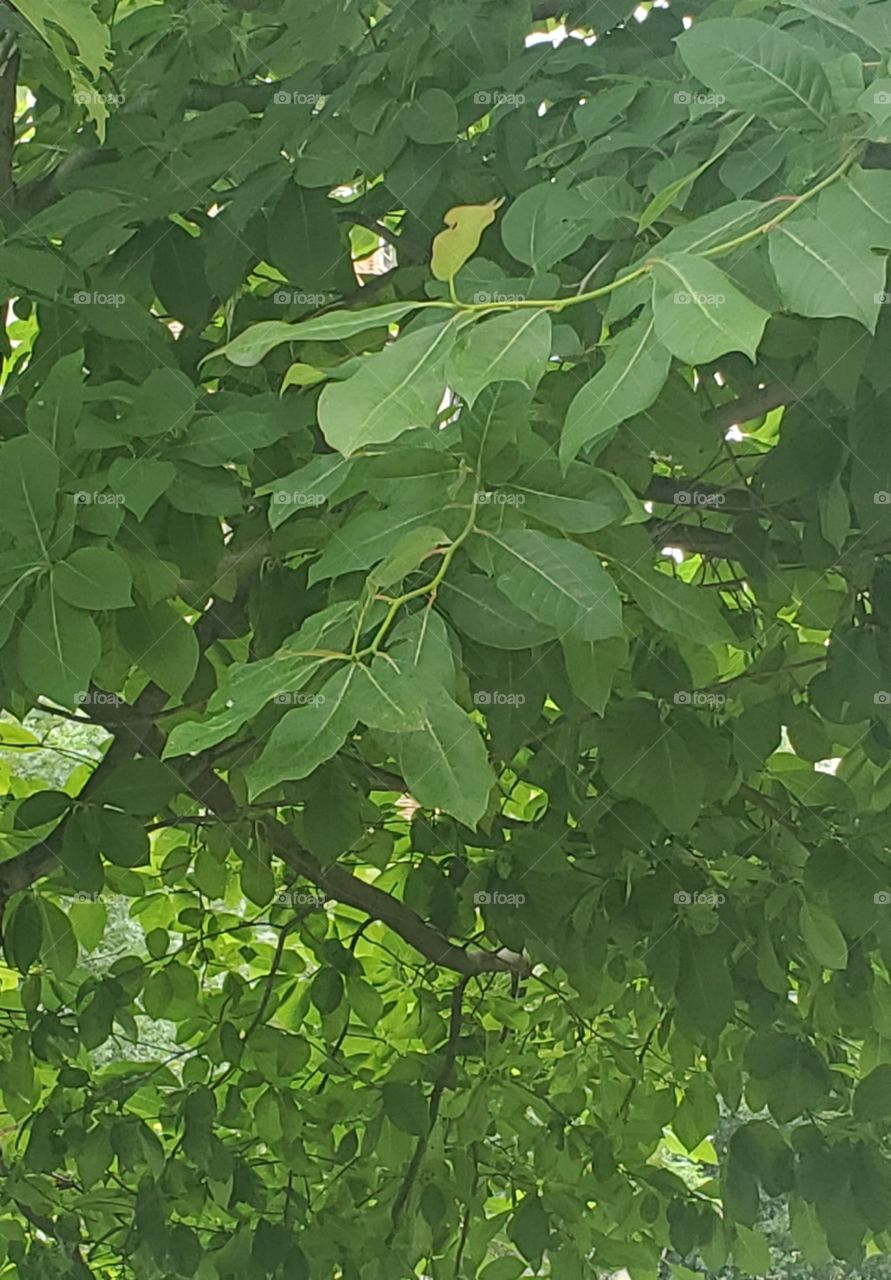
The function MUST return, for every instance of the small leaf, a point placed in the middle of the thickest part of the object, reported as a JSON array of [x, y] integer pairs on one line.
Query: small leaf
[[822, 936], [94, 578], [250, 347], [635, 371], [465, 224]]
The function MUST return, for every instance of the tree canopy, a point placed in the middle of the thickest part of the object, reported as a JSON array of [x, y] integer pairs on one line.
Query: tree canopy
[[445, 477]]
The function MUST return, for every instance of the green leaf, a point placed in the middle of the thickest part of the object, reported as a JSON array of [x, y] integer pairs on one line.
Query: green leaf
[[29, 483], [58, 949], [511, 348], [677, 606], [483, 612], [162, 643], [699, 312], [94, 578], [23, 934], [78, 21], [431, 118], [635, 371], [559, 582], [444, 763], [140, 482], [58, 648], [667, 196], [465, 224], [122, 838], [326, 992], [759, 68], [307, 735], [645, 759], [530, 1228], [822, 936], [256, 342], [305, 489], [399, 388], [751, 1252], [406, 1106], [583, 500], [387, 695], [872, 1096], [411, 550], [545, 224], [822, 273]]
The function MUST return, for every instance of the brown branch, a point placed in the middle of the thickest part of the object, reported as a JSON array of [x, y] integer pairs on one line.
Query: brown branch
[[450, 1053], [339, 884], [755, 405]]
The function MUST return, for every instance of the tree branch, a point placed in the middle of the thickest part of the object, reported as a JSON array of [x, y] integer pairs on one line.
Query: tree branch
[[755, 405], [342, 886]]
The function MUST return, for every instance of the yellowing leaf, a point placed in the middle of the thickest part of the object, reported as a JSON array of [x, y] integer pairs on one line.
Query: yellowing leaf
[[465, 225]]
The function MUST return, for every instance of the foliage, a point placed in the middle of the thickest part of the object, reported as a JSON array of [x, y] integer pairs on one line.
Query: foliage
[[493, 650]]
